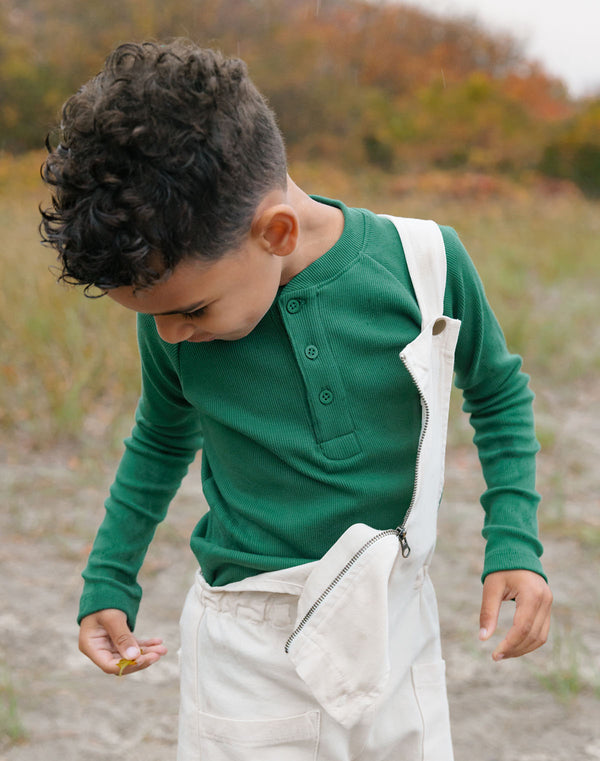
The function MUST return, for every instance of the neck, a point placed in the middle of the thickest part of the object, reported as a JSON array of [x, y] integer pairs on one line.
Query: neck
[[320, 228]]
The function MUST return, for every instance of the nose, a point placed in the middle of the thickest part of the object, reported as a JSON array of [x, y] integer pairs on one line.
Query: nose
[[172, 329]]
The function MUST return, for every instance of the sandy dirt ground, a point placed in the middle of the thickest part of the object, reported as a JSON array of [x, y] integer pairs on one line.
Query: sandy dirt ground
[[59, 707]]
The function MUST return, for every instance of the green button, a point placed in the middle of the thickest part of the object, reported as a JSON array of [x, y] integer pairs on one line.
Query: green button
[[293, 306], [311, 352], [326, 396]]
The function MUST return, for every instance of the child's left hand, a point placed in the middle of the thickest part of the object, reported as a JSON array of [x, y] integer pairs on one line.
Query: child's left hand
[[531, 621]]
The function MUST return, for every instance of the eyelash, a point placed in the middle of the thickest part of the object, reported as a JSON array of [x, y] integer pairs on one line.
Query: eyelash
[[195, 313]]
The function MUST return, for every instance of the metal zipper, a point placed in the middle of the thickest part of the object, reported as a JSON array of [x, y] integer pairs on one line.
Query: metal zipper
[[424, 427], [400, 531]]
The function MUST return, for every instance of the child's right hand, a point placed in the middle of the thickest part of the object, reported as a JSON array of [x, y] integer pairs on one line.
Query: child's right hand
[[105, 638]]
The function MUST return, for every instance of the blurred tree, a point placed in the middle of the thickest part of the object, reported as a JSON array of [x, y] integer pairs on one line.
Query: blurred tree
[[574, 153], [350, 80]]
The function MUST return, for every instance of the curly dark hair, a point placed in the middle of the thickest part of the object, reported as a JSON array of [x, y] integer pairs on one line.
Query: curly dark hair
[[168, 151]]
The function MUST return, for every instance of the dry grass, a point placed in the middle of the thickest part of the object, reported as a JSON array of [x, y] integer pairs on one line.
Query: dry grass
[[69, 365]]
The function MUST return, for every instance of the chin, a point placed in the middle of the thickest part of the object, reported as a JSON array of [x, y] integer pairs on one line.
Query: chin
[[239, 334], [236, 336]]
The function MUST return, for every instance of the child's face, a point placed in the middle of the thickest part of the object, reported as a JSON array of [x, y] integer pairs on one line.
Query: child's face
[[223, 300]]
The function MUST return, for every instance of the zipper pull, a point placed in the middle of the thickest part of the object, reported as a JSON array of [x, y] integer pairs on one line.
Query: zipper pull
[[403, 541]]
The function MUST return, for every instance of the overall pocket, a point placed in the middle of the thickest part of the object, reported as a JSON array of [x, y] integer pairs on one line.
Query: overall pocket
[[294, 738], [429, 681]]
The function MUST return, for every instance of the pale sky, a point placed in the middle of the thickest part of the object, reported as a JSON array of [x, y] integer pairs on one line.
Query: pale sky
[[564, 35]]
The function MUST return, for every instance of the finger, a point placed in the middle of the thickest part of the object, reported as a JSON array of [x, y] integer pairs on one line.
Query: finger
[[531, 624], [493, 595], [141, 662], [155, 642], [538, 636], [541, 625], [115, 623], [96, 644], [521, 630], [151, 647], [100, 636], [151, 650]]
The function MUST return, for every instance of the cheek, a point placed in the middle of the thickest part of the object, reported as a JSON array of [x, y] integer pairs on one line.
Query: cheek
[[231, 319]]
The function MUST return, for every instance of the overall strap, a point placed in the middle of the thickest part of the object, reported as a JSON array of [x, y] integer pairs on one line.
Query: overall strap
[[426, 259]]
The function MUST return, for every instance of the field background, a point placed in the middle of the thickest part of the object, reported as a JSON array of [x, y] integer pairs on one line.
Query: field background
[[515, 171], [69, 382]]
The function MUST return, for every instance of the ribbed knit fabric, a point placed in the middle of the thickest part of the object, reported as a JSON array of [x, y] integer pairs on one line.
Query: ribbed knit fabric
[[311, 423]]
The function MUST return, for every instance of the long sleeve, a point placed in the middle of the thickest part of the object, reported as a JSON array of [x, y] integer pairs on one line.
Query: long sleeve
[[163, 442], [499, 401]]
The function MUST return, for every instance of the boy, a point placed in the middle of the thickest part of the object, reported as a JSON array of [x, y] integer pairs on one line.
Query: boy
[[270, 325]]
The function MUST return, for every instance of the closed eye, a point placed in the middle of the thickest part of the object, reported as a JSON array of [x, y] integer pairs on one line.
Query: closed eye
[[195, 313]]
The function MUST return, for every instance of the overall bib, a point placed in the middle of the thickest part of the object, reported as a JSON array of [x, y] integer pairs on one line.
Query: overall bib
[[339, 659]]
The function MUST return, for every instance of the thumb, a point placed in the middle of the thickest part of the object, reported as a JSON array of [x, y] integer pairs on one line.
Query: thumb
[[115, 623], [493, 594]]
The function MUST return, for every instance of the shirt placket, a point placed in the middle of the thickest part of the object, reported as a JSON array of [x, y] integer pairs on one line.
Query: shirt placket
[[325, 393]]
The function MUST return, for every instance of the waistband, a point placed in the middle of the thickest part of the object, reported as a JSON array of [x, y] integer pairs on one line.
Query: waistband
[[271, 596], [328, 610]]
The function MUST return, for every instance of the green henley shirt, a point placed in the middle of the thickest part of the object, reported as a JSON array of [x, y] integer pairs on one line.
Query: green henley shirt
[[311, 423]]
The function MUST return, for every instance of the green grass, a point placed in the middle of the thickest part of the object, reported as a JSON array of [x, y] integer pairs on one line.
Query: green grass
[[565, 675], [12, 731], [69, 368], [585, 534]]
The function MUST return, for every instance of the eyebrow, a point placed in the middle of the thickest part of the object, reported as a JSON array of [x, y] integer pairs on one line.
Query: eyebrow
[[184, 310]]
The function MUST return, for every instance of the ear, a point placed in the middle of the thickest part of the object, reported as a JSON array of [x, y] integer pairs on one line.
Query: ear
[[277, 229]]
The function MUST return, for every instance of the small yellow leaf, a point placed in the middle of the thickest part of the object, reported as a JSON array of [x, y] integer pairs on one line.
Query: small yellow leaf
[[123, 663]]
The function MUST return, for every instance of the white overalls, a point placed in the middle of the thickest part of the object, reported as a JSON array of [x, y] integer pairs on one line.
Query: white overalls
[[340, 659]]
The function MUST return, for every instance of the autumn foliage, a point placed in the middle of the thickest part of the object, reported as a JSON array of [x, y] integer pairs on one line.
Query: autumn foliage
[[352, 82]]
